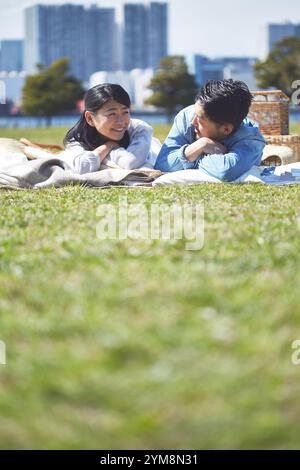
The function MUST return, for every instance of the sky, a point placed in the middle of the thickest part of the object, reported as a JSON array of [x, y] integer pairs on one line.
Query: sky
[[213, 28]]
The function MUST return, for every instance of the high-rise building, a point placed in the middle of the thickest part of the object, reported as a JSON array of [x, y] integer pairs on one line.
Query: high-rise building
[[241, 68], [207, 69], [135, 82], [84, 35], [158, 33], [277, 32], [145, 34], [237, 68], [135, 36], [11, 55], [13, 83]]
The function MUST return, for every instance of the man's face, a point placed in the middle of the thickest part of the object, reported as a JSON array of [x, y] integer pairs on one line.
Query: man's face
[[206, 128]]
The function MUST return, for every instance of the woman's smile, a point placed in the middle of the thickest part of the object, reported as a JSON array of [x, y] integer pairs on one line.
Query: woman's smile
[[119, 131]]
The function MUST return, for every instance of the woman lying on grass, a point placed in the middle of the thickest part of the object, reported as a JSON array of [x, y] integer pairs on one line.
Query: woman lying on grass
[[106, 134]]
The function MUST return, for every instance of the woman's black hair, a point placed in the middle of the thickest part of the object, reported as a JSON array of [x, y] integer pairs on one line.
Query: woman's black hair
[[94, 99]]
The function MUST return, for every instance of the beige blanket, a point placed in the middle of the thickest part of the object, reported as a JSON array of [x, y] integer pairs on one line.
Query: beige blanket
[[18, 172]]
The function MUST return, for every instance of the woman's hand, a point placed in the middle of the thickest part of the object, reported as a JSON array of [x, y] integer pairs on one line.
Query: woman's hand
[[105, 149]]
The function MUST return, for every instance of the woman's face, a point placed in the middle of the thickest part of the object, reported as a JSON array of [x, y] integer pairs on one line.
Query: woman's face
[[111, 121]]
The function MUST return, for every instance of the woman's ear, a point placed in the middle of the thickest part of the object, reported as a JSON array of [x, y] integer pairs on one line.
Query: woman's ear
[[89, 119]]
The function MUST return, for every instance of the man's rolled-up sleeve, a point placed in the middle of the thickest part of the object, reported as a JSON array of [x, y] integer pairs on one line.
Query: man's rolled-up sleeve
[[171, 156]]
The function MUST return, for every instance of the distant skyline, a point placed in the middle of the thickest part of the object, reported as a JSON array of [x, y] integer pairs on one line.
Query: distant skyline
[[231, 28]]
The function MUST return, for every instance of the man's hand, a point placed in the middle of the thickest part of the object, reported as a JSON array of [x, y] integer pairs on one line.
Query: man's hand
[[202, 146], [211, 146]]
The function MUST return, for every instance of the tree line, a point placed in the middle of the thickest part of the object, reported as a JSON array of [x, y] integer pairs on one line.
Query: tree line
[[52, 90]]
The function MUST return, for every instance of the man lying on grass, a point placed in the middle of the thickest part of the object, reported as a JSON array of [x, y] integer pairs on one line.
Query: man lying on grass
[[214, 135]]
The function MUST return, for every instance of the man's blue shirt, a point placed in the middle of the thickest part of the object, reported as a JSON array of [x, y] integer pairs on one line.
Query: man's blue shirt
[[244, 149]]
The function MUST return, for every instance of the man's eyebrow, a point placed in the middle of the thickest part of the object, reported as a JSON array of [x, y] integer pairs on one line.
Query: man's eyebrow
[[202, 116]]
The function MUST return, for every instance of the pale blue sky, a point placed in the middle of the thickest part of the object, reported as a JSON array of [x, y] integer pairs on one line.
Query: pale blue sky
[[213, 28]]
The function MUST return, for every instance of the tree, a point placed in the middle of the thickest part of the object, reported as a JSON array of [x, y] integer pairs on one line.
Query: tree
[[51, 90], [281, 67], [173, 87]]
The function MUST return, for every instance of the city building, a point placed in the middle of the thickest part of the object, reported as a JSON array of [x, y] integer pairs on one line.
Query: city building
[[279, 31], [87, 36], [145, 35], [11, 55], [158, 33], [207, 69], [135, 82], [12, 84], [237, 68]]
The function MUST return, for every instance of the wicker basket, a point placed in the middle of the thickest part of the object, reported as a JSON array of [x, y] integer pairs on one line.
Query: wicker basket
[[270, 109], [292, 141]]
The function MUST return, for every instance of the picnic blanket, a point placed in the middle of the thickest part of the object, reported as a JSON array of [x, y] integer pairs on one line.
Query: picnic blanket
[[283, 174], [17, 172], [53, 172]]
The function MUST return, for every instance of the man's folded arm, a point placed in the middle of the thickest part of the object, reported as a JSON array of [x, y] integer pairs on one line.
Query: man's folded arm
[[233, 164]]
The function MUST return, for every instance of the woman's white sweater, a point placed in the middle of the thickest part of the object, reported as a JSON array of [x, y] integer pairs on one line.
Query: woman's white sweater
[[135, 156]]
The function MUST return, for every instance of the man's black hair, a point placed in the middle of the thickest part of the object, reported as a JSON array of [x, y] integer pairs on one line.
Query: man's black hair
[[225, 101]]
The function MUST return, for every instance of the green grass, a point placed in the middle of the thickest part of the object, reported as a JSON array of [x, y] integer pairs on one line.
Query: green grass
[[134, 344], [55, 135]]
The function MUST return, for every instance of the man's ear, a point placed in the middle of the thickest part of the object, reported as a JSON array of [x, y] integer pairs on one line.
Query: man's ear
[[89, 119], [228, 129]]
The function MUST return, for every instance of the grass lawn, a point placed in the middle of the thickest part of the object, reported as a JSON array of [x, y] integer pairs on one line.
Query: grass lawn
[[133, 344]]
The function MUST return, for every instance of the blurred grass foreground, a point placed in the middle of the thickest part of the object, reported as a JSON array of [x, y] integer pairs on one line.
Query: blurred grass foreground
[[123, 344]]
